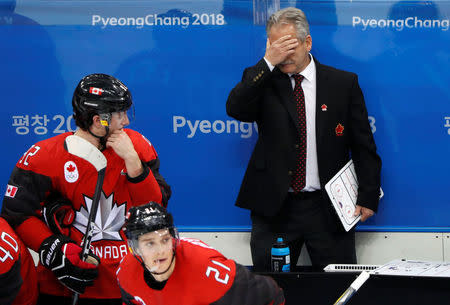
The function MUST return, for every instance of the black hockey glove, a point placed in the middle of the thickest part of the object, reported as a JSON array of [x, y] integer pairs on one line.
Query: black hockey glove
[[61, 255], [58, 214]]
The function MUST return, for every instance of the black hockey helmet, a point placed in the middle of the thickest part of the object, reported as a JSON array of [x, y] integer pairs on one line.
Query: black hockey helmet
[[148, 218], [100, 94]]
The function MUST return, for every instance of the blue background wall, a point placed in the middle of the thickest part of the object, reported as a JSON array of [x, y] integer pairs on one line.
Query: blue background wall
[[180, 59]]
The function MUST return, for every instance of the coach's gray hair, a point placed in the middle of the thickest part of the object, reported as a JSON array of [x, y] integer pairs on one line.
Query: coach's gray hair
[[290, 15]]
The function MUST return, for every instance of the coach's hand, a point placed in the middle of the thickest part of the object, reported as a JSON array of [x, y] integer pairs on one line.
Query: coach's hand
[[278, 50], [61, 255], [364, 212]]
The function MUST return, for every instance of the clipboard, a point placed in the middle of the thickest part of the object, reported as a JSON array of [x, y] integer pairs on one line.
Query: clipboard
[[343, 192], [414, 268]]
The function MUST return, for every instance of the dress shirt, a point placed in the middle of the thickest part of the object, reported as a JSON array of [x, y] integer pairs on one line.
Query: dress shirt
[[309, 89]]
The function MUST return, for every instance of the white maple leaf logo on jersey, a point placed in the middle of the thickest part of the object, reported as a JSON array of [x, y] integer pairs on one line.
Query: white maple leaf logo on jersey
[[108, 221]]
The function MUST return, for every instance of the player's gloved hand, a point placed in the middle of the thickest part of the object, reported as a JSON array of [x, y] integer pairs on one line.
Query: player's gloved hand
[[61, 255], [58, 214]]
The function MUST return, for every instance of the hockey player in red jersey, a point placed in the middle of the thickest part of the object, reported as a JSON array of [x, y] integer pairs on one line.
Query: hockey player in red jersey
[[163, 269], [49, 195], [18, 278]]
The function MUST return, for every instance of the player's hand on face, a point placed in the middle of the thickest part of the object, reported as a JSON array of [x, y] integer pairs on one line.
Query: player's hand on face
[[278, 50], [364, 212], [121, 143]]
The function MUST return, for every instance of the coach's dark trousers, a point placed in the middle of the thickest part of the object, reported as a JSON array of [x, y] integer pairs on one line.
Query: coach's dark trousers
[[305, 218]]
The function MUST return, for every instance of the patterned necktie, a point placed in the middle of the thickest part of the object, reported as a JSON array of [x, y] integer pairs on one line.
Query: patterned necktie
[[299, 176]]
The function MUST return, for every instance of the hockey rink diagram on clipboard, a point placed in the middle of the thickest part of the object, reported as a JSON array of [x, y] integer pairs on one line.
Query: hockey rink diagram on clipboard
[[343, 192], [402, 267]]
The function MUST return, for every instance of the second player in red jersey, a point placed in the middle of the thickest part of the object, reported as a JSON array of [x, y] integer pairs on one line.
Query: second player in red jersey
[[164, 269]]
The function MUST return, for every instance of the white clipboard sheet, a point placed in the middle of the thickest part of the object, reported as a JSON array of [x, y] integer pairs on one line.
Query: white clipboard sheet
[[343, 192], [402, 267]]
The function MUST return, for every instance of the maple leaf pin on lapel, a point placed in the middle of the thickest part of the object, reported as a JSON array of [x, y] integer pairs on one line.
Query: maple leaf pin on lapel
[[339, 130]]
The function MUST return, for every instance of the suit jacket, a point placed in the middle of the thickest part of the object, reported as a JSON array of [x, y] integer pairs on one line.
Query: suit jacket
[[267, 98]]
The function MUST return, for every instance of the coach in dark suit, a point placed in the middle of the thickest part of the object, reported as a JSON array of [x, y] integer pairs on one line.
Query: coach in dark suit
[[311, 120]]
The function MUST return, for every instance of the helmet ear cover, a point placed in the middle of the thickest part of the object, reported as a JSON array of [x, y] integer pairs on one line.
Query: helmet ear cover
[[105, 119]]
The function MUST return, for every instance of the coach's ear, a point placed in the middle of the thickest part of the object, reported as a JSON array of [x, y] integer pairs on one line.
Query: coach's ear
[[58, 213]]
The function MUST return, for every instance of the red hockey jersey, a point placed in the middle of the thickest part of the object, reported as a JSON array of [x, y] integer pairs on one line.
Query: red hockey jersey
[[18, 278], [47, 167], [201, 276]]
